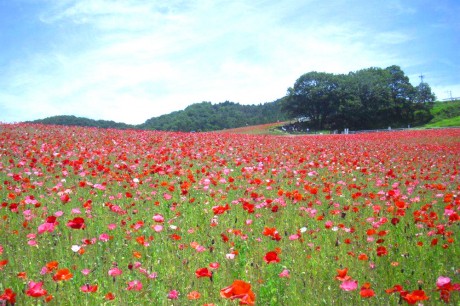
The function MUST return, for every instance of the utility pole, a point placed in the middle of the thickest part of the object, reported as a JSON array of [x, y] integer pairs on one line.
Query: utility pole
[[421, 76], [450, 96]]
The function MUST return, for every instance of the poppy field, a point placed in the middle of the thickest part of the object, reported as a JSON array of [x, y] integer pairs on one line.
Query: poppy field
[[107, 217]]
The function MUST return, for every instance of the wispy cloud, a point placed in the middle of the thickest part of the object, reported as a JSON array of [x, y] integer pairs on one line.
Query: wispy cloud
[[131, 60]]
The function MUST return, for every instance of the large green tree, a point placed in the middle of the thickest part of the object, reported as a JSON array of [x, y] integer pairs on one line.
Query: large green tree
[[402, 96], [366, 99], [315, 96], [369, 87], [423, 94]]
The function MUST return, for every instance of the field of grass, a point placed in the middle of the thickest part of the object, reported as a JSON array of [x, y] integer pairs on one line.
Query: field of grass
[[449, 122], [446, 114], [107, 217], [446, 109]]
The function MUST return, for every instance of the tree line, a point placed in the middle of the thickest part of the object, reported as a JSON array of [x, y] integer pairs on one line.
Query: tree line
[[206, 116], [82, 121], [199, 117], [371, 98]]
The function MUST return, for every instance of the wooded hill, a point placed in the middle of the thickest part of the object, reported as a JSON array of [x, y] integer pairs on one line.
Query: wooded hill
[[370, 98], [203, 117], [206, 116], [81, 121]]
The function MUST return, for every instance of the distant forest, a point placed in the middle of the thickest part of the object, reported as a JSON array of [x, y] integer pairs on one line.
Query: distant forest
[[199, 117], [206, 116], [365, 99], [81, 121]]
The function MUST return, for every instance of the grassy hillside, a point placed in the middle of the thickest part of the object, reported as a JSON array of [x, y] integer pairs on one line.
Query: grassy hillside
[[449, 122], [445, 114]]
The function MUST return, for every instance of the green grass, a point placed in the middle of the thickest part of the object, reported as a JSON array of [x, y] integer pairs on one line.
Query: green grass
[[449, 122], [445, 114], [440, 108]]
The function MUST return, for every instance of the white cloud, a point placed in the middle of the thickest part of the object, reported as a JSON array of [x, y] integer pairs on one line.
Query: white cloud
[[131, 60], [394, 38]]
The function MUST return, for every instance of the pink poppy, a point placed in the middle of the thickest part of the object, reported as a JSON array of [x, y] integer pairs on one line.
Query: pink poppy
[[349, 285], [115, 271], [284, 273], [173, 295], [134, 285], [87, 288]]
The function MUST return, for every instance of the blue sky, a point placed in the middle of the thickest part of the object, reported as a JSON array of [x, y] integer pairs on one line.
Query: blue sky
[[131, 60]]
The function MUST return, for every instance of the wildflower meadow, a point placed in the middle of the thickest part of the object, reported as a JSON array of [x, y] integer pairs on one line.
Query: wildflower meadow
[[108, 217]]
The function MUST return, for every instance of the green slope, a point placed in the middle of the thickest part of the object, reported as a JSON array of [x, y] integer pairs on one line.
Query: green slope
[[445, 114]]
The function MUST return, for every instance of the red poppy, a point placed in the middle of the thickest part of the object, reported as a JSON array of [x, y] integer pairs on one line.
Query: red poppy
[[51, 266], [414, 296], [141, 241], [445, 296], [51, 219], [8, 296], [395, 288], [366, 291], [239, 290], [224, 237], [203, 272], [109, 296], [48, 298], [382, 251], [218, 210], [342, 275], [272, 232], [271, 257], [269, 231], [76, 223], [36, 289], [248, 207], [63, 274], [22, 275]]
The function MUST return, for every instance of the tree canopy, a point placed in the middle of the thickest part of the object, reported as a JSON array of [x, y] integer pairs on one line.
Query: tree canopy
[[366, 99], [82, 121], [203, 116], [206, 116], [370, 98]]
